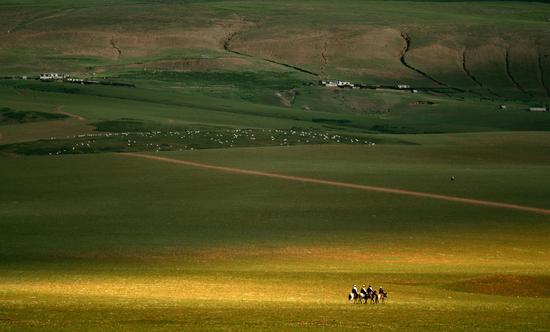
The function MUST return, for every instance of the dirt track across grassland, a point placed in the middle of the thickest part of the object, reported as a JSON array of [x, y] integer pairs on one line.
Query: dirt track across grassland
[[440, 197], [59, 110]]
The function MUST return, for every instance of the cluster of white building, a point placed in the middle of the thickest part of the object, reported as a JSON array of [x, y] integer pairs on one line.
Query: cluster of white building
[[55, 77], [52, 77], [347, 84], [338, 84]]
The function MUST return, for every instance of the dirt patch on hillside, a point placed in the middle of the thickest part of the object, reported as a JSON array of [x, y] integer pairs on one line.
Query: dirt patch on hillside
[[406, 62], [439, 61], [543, 61], [510, 74], [358, 73], [105, 43], [525, 66], [199, 64], [373, 49], [492, 52], [286, 98], [295, 47], [377, 43], [506, 285], [350, 51]]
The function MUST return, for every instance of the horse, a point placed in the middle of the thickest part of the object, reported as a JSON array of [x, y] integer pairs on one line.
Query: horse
[[358, 297], [382, 297], [352, 297], [374, 297], [364, 298]]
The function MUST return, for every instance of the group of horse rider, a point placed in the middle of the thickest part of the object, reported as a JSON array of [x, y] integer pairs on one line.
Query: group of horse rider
[[367, 293]]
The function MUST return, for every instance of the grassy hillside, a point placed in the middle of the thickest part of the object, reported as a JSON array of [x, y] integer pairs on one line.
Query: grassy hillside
[[443, 43]]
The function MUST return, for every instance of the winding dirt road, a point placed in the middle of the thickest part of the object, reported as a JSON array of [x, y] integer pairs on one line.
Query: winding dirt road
[[440, 197], [59, 110]]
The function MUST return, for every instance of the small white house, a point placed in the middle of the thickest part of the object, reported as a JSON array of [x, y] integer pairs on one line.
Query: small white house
[[538, 109], [74, 80], [344, 84], [338, 84], [403, 86]]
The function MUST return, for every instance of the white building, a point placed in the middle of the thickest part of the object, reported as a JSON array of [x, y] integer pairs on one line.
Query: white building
[[330, 84], [343, 84], [337, 84], [50, 77], [538, 109], [74, 80]]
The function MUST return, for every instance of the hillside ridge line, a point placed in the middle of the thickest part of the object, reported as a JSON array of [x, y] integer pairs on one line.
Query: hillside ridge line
[[227, 47], [509, 73], [404, 192], [404, 52]]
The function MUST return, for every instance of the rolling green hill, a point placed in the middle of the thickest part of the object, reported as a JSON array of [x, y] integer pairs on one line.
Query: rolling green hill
[[479, 46]]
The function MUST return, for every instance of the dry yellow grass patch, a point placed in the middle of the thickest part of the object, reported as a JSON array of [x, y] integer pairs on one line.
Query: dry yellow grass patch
[[436, 57], [131, 44], [296, 47], [490, 53], [347, 52], [203, 287], [100, 42], [225, 63], [287, 258]]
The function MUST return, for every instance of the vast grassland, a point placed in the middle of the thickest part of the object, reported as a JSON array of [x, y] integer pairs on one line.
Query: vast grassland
[[110, 241], [270, 196]]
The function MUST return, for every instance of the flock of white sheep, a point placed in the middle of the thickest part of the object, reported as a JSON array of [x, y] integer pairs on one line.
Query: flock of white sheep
[[196, 139]]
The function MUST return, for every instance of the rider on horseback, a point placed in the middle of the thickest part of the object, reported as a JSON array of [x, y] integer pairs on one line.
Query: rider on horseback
[[381, 291], [363, 292], [354, 291], [370, 290]]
